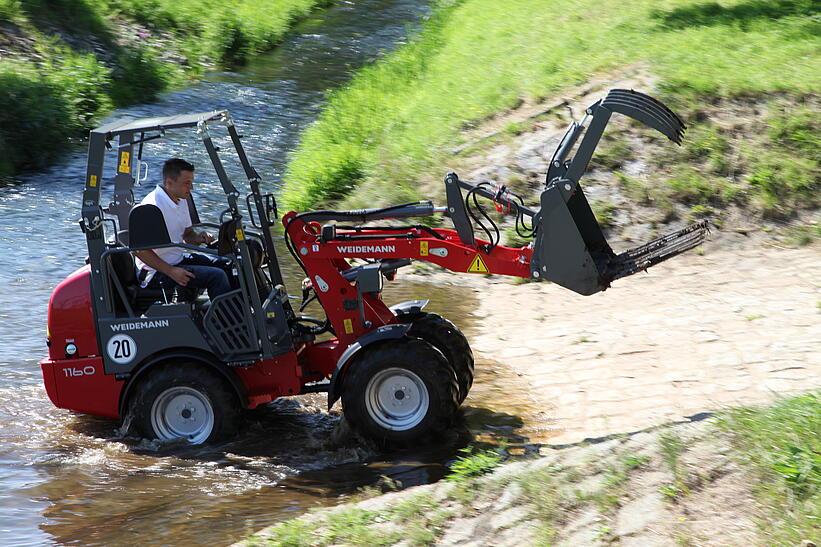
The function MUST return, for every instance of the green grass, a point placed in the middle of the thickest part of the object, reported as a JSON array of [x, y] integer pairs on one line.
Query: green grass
[[396, 123], [227, 32], [473, 464], [418, 520], [672, 447], [58, 91], [782, 444], [803, 234]]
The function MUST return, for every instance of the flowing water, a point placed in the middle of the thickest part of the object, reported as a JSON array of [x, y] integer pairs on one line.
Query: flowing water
[[71, 479]]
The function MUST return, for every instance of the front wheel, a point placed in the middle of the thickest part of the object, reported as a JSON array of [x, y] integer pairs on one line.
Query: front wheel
[[448, 339], [400, 392], [185, 402]]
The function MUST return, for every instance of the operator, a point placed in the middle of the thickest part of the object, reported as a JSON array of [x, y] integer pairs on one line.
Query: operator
[[171, 266]]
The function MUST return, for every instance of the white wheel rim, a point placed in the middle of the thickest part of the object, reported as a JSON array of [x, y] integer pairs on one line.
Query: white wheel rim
[[182, 413], [396, 399]]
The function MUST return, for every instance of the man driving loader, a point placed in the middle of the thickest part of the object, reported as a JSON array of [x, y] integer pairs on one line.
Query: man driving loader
[[168, 267]]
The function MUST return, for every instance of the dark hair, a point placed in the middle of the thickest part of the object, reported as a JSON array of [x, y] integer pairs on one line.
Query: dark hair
[[173, 167]]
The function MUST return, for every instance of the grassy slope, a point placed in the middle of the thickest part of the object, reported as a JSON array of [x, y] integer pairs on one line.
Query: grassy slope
[[782, 443], [58, 87], [399, 119], [779, 444]]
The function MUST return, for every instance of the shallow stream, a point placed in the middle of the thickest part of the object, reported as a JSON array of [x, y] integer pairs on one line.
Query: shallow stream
[[71, 479]]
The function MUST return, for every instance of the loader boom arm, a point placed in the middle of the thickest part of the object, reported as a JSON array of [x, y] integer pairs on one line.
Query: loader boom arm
[[569, 247]]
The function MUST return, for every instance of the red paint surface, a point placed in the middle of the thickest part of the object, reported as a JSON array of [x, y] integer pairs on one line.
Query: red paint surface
[[70, 317], [82, 386], [271, 378]]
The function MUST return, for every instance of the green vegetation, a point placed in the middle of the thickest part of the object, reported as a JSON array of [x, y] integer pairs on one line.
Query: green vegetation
[[74, 60], [803, 234], [473, 464], [398, 120], [780, 444], [417, 520], [783, 446], [672, 446]]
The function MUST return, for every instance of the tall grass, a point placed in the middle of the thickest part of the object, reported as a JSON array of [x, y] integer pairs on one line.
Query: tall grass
[[227, 32], [60, 92], [398, 119]]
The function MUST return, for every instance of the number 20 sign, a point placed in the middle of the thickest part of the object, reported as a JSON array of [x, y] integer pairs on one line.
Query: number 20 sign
[[121, 349]]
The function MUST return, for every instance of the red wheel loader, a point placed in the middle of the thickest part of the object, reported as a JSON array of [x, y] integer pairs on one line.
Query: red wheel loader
[[184, 366]]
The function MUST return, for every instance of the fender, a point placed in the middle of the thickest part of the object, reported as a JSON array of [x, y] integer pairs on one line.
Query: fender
[[409, 308], [190, 354], [387, 332]]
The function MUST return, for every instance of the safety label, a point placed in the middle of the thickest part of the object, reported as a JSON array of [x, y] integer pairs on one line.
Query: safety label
[[423, 248], [125, 162], [478, 266], [348, 324]]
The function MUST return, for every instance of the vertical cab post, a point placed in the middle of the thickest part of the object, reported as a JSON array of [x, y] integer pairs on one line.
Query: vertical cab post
[[247, 279]]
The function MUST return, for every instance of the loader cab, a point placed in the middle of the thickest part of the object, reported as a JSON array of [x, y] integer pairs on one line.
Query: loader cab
[[242, 326]]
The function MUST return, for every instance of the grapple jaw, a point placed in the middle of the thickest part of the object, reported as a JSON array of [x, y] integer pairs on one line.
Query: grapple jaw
[[570, 248]]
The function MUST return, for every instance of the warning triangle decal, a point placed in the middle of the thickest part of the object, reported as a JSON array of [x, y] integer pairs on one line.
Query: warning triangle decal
[[478, 266]]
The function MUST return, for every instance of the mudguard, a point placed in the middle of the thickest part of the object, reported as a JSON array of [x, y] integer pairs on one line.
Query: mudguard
[[181, 354]]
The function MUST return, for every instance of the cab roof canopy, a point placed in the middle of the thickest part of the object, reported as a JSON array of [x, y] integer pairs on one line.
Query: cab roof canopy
[[143, 125]]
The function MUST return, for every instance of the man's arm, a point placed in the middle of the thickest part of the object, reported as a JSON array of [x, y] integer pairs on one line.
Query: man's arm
[[179, 275], [192, 237]]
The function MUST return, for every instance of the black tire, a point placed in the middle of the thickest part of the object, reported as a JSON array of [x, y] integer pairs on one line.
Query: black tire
[[195, 389], [396, 365], [448, 339]]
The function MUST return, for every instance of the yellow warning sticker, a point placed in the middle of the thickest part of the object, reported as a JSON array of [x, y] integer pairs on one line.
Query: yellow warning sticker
[[92, 181], [348, 324], [240, 234], [423, 248], [125, 162], [478, 266]]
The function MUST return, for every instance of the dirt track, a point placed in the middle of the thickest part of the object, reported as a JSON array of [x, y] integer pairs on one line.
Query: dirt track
[[737, 325]]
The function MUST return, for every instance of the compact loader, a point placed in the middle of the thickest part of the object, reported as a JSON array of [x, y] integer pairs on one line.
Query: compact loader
[[184, 367]]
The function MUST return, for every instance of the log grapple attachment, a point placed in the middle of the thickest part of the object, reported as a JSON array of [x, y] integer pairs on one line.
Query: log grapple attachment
[[570, 248]]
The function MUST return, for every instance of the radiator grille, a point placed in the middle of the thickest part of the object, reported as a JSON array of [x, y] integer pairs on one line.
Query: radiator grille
[[229, 325]]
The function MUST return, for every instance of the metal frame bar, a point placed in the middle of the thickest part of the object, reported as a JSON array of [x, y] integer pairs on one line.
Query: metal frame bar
[[247, 279], [253, 180]]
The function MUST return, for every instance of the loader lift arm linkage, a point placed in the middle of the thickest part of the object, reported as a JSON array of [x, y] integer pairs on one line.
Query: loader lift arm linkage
[[569, 247]]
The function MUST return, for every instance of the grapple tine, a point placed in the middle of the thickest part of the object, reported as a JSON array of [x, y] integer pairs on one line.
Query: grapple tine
[[647, 110], [630, 95], [639, 259], [648, 115]]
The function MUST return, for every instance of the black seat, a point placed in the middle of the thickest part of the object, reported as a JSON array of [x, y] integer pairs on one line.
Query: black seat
[[146, 230], [139, 299]]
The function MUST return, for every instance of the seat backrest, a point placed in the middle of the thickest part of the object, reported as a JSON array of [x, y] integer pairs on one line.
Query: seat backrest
[[124, 268], [146, 227]]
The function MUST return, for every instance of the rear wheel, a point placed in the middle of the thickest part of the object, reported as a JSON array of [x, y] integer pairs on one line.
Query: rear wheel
[[186, 402], [448, 339], [400, 392]]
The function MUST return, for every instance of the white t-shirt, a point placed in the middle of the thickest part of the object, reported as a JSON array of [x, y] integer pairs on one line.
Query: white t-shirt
[[177, 220]]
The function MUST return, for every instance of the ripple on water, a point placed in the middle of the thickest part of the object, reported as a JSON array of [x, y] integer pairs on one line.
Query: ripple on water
[[75, 479]]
